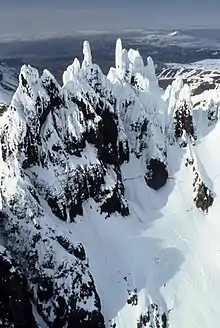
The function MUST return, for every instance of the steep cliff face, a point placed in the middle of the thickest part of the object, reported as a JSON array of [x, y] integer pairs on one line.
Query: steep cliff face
[[143, 112], [183, 127], [79, 164], [59, 279], [15, 300], [132, 91]]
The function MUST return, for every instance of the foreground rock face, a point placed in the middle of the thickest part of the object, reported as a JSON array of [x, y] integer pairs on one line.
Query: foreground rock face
[[15, 300], [59, 279]]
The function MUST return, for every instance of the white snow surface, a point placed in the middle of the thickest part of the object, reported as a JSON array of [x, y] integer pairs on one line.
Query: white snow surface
[[166, 248]]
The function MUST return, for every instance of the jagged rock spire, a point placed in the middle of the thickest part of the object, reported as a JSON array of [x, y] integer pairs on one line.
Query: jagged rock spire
[[72, 71], [136, 60], [28, 80], [183, 118], [87, 54], [118, 55]]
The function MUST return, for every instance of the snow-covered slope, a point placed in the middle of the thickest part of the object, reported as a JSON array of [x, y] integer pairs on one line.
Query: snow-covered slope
[[201, 76], [109, 198]]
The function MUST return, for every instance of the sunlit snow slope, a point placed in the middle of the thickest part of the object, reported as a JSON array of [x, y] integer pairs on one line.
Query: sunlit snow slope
[[110, 199]]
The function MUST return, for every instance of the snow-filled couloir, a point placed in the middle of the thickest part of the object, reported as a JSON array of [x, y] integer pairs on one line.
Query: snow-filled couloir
[[109, 199]]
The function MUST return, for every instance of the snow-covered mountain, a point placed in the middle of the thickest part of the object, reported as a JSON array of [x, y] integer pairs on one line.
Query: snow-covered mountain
[[201, 76], [109, 199], [176, 38], [8, 83]]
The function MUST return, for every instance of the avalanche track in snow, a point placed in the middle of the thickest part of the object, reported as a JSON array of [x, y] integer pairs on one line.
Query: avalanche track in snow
[[109, 199]]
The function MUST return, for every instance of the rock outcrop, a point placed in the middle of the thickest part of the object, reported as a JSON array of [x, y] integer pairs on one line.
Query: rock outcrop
[[15, 299]]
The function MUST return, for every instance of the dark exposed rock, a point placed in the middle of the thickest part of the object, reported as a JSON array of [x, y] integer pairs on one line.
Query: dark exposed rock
[[133, 82], [67, 313], [123, 150], [204, 197], [59, 282], [3, 108], [212, 115], [78, 251], [108, 132], [37, 149], [59, 285], [83, 183], [30, 150], [15, 300], [81, 319], [110, 149], [87, 113], [183, 121], [5, 151], [153, 317], [57, 207], [203, 86], [157, 174], [114, 203], [44, 289], [25, 85], [132, 297], [54, 92]]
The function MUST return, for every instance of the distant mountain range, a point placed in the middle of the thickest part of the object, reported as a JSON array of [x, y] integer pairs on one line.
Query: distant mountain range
[[55, 53]]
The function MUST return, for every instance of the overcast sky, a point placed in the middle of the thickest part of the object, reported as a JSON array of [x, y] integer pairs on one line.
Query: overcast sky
[[44, 17]]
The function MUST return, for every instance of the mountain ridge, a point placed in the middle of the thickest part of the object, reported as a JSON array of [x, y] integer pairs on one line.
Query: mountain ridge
[[79, 157]]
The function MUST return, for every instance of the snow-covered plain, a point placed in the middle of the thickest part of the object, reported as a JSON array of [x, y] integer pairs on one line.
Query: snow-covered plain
[[166, 251]]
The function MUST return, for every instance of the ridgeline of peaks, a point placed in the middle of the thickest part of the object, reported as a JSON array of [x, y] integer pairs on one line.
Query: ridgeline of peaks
[[62, 147]]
